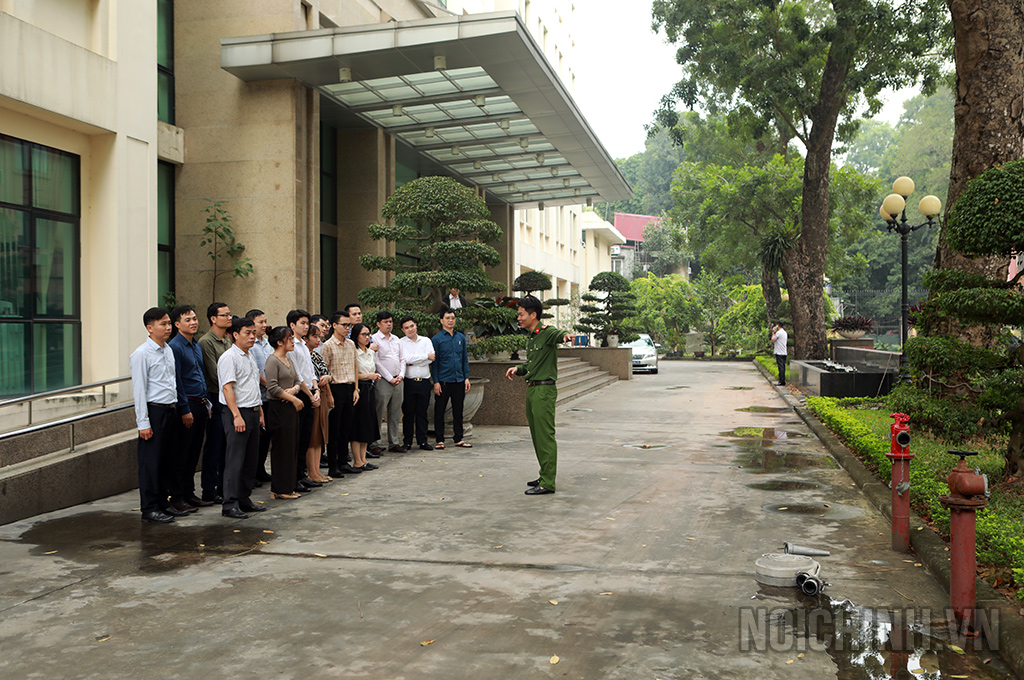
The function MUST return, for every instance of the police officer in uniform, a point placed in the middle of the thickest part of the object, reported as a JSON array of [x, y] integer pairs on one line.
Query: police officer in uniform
[[541, 372]]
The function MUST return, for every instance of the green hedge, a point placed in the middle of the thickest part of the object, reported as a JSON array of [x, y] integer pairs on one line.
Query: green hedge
[[863, 426]]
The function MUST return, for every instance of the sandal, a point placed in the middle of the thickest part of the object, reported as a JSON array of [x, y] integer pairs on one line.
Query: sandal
[[439, 446], [464, 445]]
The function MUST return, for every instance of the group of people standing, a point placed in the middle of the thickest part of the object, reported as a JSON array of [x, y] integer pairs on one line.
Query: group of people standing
[[311, 392]]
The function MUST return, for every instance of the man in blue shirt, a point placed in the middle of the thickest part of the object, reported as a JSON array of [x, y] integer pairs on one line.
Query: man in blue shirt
[[193, 408], [450, 372], [155, 395]]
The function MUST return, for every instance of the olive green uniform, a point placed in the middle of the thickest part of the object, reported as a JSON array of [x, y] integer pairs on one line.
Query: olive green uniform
[[542, 364]]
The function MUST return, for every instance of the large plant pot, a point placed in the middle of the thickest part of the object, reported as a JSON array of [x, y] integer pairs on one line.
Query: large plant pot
[[469, 408], [852, 335], [613, 341]]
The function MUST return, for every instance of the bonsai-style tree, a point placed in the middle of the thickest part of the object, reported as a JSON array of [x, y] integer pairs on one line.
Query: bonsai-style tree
[[965, 387], [529, 283], [449, 228], [608, 304]]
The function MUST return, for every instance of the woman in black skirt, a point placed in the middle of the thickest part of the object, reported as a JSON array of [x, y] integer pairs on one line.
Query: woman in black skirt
[[282, 414], [365, 428]]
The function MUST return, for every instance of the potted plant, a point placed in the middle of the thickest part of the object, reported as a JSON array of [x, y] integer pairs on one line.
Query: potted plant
[[852, 327], [605, 313]]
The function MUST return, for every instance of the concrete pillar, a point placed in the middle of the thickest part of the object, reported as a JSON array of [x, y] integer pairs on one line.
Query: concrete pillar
[[504, 215], [366, 177]]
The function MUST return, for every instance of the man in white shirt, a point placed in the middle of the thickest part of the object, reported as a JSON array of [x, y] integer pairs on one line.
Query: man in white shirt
[[239, 380], [418, 353], [390, 363], [298, 321], [780, 338], [155, 392]]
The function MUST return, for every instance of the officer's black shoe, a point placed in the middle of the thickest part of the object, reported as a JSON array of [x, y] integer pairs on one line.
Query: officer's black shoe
[[535, 482], [537, 491]]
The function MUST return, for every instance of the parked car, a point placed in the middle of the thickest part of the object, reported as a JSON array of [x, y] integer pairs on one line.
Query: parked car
[[645, 353]]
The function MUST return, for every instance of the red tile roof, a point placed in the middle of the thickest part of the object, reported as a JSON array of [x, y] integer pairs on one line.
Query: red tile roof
[[632, 226]]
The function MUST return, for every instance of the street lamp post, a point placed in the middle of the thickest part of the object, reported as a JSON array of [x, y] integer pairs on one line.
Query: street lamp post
[[895, 206]]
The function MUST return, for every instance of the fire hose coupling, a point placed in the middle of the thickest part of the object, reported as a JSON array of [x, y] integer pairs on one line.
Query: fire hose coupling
[[810, 584], [902, 488], [899, 435], [964, 483]]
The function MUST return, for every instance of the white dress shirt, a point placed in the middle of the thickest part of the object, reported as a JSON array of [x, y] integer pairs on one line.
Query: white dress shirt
[[238, 367], [152, 368], [417, 356], [303, 363], [780, 338], [454, 302], [390, 358]]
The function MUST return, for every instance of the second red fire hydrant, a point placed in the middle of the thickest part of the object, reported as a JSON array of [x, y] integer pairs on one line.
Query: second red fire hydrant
[[967, 494], [899, 481]]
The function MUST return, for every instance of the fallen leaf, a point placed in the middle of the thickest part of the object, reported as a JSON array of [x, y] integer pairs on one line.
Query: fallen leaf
[[690, 539], [263, 543], [827, 505], [320, 554], [499, 547], [919, 528], [553, 601], [790, 661], [103, 638], [554, 659], [917, 671], [238, 531], [611, 518], [203, 545], [335, 527], [644, 545], [800, 655], [608, 593], [956, 649], [784, 507], [260, 502], [426, 642], [959, 676], [344, 494], [910, 561], [267, 531], [403, 538], [917, 564], [52, 552]]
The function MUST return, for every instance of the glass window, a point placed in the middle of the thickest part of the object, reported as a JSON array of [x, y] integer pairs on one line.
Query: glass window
[[13, 172], [165, 232], [328, 274], [40, 330], [165, 60]]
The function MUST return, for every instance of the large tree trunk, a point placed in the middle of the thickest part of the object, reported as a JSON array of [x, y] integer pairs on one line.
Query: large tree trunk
[[771, 291], [806, 261], [988, 123]]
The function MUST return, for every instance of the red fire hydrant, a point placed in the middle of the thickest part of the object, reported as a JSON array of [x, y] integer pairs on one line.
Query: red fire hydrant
[[899, 482], [967, 493]]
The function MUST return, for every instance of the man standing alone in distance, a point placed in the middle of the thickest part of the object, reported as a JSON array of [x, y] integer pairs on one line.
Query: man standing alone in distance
[[779, 338], [541, 372]]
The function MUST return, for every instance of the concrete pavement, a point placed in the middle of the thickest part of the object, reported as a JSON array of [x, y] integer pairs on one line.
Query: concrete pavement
[[641, 566]]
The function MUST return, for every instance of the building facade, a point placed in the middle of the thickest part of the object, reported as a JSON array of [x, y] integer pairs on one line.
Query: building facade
[[122, 122]]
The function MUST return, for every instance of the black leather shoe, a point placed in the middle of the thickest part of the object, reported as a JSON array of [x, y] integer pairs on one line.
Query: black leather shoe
[[376, 449], [535, 482], [234, 513], [309, 482], [323, 462], [302, 488], [371, 454], [198, 502], [397, 449], [262, 476], [174, 512], [537, 491], [370, 466], [426, 447], [251, 507], [257, 484], [158, 517], [349, 470], [336, 474], [213, 500]]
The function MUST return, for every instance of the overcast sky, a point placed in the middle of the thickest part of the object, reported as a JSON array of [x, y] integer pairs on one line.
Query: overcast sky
[[623, 70]]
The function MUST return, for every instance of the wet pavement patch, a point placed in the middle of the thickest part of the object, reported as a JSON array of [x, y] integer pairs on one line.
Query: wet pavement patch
[[783, 485], [864, 642], [678, 387], [820, 510], [584, 410], [646, 446], [770, 461], [100, 538], [764, 409], [764, 433], [739, 388]]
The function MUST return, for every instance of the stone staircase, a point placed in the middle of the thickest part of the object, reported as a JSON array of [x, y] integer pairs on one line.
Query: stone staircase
[[577, 378], [68, 462]]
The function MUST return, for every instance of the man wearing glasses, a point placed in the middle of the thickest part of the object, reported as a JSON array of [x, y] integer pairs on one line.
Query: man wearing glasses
[[339, 353], [214, 344]]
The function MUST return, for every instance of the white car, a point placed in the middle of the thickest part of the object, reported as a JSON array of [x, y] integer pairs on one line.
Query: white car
[[645, 353]]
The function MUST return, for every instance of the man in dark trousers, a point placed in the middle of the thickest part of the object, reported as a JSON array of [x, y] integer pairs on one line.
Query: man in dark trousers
[[193, 409], [541, 372], [214, 344], [155, 394], [779, 340], [450, 372]]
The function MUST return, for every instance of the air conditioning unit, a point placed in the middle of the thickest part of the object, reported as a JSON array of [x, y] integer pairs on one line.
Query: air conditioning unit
[[615, 250]]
